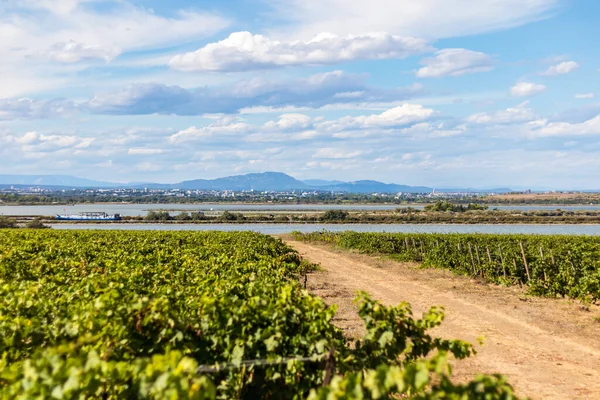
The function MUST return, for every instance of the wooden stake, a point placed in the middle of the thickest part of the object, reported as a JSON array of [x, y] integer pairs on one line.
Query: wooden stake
[[502, 261], [525, 261], [571, 261], [329, 368], [543, 269], [478, 261], [472, 260]]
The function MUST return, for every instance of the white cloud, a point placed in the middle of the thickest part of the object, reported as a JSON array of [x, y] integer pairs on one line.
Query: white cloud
[[35, 143], [124, 26], [144, 151], [242, 51], [584, 96], [545, 128], [289, 122], [397, 116], [561, 69], [423, 18], [523, 89], [455, 62], [272, 110], [38, 34], [429, 130], [348, 95], [215, 129], [148, 167], [33, 109], [251, 95], [337, 153], [509, 116], [72, 52]]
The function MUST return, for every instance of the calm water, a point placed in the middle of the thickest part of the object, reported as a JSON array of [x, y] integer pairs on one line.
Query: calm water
[[274, 229], [135, 210]]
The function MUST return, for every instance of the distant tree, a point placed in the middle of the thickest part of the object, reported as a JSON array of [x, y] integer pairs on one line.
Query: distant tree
[[228, 216], [36, 223], [443, 206], [183, 217], [198, 216], [335, 215], [407, 210], [7, 223], [158, 216], [477, 207]]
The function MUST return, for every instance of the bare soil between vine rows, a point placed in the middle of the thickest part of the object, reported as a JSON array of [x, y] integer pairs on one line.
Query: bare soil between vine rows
[[548, 348]]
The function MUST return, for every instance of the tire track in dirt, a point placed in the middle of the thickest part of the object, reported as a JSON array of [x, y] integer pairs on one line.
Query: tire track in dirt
[[547, 349]]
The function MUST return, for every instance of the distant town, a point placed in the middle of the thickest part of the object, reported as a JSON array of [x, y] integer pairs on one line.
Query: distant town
[[178, 195]]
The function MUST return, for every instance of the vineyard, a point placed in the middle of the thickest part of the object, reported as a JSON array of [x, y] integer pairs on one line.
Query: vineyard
[[567, 266], [201, 316]]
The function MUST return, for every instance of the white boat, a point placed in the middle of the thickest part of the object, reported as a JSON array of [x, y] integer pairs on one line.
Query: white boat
[[89, 216]]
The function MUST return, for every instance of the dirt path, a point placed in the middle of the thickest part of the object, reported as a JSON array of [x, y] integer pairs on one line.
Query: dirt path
[[549, 349]]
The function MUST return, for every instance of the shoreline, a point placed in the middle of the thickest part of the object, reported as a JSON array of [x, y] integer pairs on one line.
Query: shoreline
[[63, 222], [266, 204]]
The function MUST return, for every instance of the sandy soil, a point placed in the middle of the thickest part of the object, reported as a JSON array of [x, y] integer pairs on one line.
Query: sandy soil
[[548, 348]]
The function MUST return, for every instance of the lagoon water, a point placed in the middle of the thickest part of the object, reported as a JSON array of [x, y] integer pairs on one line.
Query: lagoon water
[[277, 229], [136, 210]]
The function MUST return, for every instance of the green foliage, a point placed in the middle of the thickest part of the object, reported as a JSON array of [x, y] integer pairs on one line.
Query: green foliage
[[134, 314], [335, 215], [36, 223], [477, 207], [6, 222], [229, 216], [407, 210], [423, 379], [444, 205], [158, 216], [567, 266], [183, 216]]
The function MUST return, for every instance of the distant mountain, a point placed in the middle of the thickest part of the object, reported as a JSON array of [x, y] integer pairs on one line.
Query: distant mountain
[[376, 187], [472, 190], [321, 182], [53, 181], [266, 181]]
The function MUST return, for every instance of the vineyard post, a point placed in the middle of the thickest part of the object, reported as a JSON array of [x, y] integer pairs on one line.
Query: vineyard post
[[305, 279], [525, 261], [478, 260], [329, 368], [543, 269], [406, 243], [502, 260], [472, 259], [571, 262], [490, 258], [422, 251]]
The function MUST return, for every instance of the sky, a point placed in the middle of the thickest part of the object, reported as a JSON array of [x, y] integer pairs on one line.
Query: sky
[[443, 93]]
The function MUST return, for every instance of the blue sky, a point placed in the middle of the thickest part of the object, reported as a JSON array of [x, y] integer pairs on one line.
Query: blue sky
[[436, 92]]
